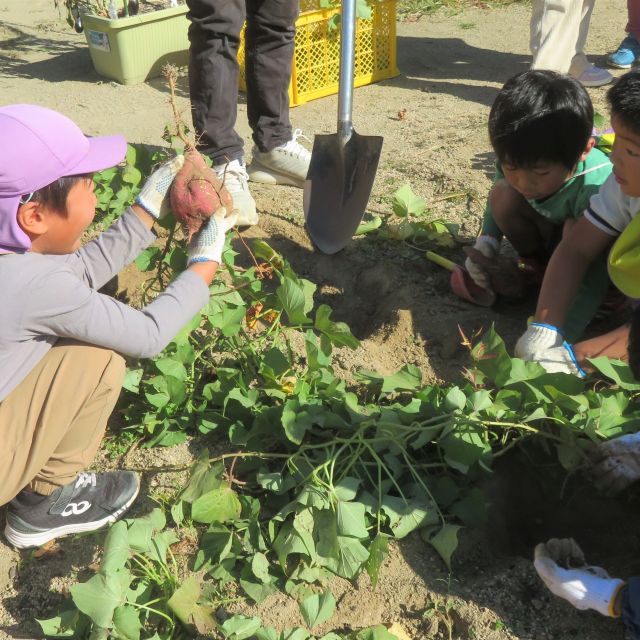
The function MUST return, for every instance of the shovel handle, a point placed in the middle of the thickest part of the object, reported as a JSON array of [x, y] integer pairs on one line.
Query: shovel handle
[[347, 54], [441, 261]]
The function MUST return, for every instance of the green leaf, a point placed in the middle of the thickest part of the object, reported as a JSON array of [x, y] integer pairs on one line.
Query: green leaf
[[408, 378], [240, 627], [368, 225], [148, 259], [378, 551], [455, 399], [66, 624], [347, 489], [126, 620], [132, 380], [116, 548], [171, 367], [406, 203], [260, 567], [618, 371], [407, 516], [374, 633], [318, 608], [351, 519], [184, 603], [445, 542], [99, 597], [338, 332], [204, 478], [292, 296], [218, 505]]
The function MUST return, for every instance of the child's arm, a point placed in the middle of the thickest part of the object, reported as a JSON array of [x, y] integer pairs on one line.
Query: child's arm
[[569, 262], [580, 246]]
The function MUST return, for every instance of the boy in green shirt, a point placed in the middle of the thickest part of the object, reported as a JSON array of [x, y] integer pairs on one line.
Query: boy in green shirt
[[540, 128]]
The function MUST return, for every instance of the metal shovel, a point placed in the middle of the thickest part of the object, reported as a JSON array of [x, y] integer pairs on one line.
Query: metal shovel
[[343, 165]]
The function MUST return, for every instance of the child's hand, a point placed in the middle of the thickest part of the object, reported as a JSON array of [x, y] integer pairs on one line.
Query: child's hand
[[207, 244], [488, 246], [153, 196], [617, 463], [538, 337], [560, 360], [561, 565]]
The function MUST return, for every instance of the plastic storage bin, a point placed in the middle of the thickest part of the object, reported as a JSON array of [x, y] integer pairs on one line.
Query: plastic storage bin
[[132, 49]]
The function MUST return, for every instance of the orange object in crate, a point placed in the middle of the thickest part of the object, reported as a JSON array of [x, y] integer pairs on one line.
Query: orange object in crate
[[316, 58]]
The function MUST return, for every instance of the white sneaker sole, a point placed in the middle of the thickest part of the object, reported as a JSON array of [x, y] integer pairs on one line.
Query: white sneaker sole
[[22, 540], [265, 175]]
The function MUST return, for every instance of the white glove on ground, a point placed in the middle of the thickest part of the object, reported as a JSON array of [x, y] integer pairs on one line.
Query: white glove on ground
[[560, 360], [208, 243], [617, 463], [584, 587], [153, 195], [538, 337], [488, 246]]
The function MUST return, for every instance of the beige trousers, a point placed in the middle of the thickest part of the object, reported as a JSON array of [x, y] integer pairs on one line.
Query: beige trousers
[[53, 421], [559, 31]]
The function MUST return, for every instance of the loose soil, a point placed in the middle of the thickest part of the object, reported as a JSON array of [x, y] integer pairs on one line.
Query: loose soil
[[433, 119]]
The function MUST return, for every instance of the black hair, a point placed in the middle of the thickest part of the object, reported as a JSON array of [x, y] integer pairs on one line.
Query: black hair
[[633, 348], [55, 195], [541, 116], [624, 100]]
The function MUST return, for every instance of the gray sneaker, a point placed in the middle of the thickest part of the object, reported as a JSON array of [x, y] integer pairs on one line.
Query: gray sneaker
[[286, 164], [90, 502], [235, 178]]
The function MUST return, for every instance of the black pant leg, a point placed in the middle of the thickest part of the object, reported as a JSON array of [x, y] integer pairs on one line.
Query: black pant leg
[[214, 36], [269, 55]]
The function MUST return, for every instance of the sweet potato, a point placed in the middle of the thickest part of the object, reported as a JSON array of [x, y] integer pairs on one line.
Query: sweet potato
[[197, 193]]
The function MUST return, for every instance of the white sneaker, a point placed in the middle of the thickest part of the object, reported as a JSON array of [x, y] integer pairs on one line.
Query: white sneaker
[[286, 164], [234, 175], [594, 76]]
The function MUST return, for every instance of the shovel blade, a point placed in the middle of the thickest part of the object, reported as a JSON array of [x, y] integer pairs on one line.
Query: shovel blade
[[338, 186]]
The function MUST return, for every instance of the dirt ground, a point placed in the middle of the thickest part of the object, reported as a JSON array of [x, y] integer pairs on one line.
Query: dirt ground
[[396, 302]]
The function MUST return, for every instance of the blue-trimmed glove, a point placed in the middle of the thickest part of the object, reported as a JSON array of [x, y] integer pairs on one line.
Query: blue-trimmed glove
[[208, 243], [560, 359], [153, 195], [538, 337]]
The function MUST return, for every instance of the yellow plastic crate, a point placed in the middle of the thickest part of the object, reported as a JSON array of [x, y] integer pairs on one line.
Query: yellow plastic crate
[[316, 59]]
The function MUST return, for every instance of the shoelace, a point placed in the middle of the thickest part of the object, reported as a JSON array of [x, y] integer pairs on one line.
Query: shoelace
[[85, 480], [294, 148], [234, 174]]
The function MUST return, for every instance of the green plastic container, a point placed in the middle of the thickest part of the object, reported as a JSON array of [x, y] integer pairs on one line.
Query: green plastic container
[[130, 50]]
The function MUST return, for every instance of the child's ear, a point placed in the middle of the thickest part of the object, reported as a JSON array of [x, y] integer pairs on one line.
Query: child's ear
[[32, 219], [587, 149]]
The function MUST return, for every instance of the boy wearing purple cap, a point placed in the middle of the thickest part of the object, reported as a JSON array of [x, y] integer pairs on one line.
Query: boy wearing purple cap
[[61, 342]]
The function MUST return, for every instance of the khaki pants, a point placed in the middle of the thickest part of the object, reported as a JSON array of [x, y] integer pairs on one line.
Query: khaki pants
[[53, 421], [559, 31]]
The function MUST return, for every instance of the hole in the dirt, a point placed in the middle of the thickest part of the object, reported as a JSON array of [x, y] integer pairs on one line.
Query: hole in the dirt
[[533, 499]]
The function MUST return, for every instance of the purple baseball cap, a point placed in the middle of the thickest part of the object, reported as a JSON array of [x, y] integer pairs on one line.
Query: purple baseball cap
[[39, 146]]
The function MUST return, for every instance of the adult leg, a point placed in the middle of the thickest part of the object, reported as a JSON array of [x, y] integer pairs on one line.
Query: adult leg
[[554, 30], [270, 36], [633, 16], [630, 609], [53, 422], [214, 36]]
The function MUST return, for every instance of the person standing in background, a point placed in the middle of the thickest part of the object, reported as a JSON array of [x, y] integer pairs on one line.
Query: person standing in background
[[558, 34], [628, 52], [214, 35]]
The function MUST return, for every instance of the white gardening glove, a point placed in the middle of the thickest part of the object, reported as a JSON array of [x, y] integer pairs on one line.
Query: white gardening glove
[[207, 244], [537, 337], [617, 463], [489, 247], [583, 586], [153, 195], [560, 359]]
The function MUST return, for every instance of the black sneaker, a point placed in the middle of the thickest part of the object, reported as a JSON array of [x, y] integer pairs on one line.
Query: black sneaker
[[90, 502]]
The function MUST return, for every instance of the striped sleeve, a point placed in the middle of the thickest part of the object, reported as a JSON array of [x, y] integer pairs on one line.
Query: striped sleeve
[[610, 210]]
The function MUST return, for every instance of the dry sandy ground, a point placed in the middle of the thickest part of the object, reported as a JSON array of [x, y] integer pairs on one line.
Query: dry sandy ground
[[398, 304]]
